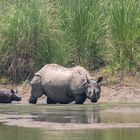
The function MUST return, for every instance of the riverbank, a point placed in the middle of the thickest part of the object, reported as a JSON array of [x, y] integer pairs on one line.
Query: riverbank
[[114, 89]]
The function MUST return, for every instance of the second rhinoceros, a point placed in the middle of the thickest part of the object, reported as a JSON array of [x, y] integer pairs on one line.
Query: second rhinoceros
[[7, 96], [64, 85]]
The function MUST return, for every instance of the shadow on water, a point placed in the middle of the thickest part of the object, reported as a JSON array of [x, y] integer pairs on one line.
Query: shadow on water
[[23, 122], [82, 116], [90, 114]]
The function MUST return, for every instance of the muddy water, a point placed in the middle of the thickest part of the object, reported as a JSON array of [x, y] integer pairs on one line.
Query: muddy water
[[70, 122]]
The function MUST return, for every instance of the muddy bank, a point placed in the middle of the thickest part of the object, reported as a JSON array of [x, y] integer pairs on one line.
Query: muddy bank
[[113, 90], [121, 93], [116, 93]]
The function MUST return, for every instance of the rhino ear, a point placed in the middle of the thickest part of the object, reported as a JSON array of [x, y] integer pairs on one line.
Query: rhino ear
[[12, 91], [85, 81], [16, 90], [99, 80]]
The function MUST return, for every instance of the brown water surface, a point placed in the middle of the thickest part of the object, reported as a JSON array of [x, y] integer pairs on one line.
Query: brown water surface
[[70, 122]]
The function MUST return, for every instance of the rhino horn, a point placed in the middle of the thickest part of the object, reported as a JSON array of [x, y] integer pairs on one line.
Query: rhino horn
[[16, 90]]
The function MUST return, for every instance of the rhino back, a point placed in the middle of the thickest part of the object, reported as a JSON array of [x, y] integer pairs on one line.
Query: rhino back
[[5, 97], [55, 75], [82, 71]]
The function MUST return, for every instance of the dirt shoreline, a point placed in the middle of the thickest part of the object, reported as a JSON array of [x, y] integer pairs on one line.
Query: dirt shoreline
[[121, 92]]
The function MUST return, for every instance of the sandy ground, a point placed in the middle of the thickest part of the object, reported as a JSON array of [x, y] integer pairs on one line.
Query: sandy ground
[[121, 93], [126, 92]]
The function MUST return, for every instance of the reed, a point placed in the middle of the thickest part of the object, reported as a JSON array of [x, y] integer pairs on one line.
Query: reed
[[125, 29], [27, 37], [85, 26], [68, 32]]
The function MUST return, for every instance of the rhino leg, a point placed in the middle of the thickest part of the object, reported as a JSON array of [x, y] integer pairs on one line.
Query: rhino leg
[[50, 101], [36, 93], [36, 90], [80, 99], [32, 100]]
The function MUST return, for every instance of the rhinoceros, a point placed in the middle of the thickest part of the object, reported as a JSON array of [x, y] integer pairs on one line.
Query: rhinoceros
[[64, 85], [7, 96]]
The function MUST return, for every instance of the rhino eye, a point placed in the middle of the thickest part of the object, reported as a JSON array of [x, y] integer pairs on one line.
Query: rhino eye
[[90, 93]]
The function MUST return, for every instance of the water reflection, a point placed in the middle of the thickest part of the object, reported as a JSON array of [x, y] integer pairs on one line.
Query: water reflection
[[95, 115], [83, 116], [20, 133]]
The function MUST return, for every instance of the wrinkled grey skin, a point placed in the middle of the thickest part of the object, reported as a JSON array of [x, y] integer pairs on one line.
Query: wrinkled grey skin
[[64, 85], [7, 96]]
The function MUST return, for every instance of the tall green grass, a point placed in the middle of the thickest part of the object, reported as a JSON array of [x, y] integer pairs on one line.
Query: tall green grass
[[85, 26], [125, 29], [27, 37], [68, 32]]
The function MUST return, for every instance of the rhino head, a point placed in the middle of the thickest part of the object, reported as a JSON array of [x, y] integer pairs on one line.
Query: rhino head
[[93, 89], [15, 96]]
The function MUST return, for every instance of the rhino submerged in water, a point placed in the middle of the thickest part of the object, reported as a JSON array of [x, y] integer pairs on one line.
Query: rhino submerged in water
[[64, 85], [7, 96]]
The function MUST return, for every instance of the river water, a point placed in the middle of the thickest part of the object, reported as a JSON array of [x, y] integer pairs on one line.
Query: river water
[[70, 122]]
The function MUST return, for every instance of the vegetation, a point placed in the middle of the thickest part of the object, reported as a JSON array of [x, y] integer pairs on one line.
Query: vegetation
[[125, 31], [91, 33]]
